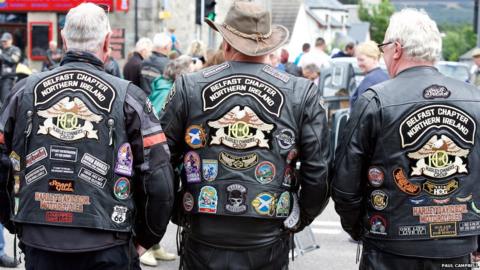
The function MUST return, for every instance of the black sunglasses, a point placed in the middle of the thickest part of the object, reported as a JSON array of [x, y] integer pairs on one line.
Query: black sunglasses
[[380, 46]]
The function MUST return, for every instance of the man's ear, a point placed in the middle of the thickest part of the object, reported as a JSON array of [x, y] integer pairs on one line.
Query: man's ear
[[106, 43], [64, 41], [398, 51], [226, 47]]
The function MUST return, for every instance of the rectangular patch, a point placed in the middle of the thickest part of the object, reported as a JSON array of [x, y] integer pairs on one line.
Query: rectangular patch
[[412, 230], [151, 140], [62, 202], [275, 73], [35, 174], [443, 229], [92, 178], [59, 185], [215, 70], [63, 153], [62, 169], [95, 164], [58, 217], [469, 226], [36, 156]]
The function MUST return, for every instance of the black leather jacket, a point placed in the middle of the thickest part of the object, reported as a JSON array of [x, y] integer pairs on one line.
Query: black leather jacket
[[9, 58], [405, 178], [152, 68], [246, 125]]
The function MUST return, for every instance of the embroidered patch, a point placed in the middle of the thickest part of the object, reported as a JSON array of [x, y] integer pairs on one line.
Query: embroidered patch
[[238, 162], [208, 200], [58, 217], [63, 153], [379, 200], [276, 74], [62, 202], [440, 213], [267, 95], [292, 220], [437, 116], [440, 189], [59, 185], [404, 184], [447, 229], [237, 198], [475, 208], [188, 201], [414, 230], [291, 156], [439, 158], [209, 169], [215, 70], [441, 201], [378, 225], [36, 156], [15, 160], [62, 170], [121, 189], [375, 176], [69, 120], [119, 214], [265, 172], [283, 205], [124, 163], [264, 204], [436, 91], [287, 177], [195, 136], [464, 199], [240, 129], [469, 226], [154, 139], [285, 138], [94, 88], [95, 164], [92, 178], [418, 200], [191, 163], [35, 174]]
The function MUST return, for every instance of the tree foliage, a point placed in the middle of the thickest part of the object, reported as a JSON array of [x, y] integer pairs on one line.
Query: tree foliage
[[457, 40], [378, 16]]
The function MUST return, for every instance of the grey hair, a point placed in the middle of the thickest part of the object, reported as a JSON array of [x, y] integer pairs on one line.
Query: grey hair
[[162, 40], [417, 33], [177, 67], [86, 27], [312, 68], [143, 44]]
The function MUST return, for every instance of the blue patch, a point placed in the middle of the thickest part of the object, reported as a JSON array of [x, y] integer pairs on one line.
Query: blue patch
[[265, 172], [264, 204], [209, 169], [418, 200], [195, 136], [208, 200]]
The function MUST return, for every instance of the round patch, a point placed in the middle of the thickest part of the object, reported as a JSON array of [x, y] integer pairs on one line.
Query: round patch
[[379, 199], [292, 155], [375, 176], [285, 138], [195, 136], [265, 172], [264, 204], [122, 188], [188, 201], [378, 225]]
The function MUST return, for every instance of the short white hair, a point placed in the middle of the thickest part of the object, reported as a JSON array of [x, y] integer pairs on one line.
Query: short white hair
[[162, 40], [417, 33], [143, 44], [86, 27]]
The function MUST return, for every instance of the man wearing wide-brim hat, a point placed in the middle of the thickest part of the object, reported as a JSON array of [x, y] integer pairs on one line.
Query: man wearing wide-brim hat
[[239, 129]]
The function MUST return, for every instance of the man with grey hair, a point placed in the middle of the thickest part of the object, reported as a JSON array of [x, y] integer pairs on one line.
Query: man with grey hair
[[154, 66], [405, 181], [86, 157], [10, 56], [133, 67]]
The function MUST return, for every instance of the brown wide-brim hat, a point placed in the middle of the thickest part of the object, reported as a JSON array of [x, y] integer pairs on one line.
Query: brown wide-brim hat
[[248, 28]]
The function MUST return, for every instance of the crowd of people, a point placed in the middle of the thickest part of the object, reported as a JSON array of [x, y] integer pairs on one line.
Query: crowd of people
[[210, 139]]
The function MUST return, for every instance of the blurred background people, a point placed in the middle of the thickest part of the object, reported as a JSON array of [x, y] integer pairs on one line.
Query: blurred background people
[[368, 56], [305, 49], [111, 65], [312, 72], [9, 56], [287, 66], [54, 56], [154, 66], [198, 52], [132, 69], [349, 51], [316, 56], [475, 72]]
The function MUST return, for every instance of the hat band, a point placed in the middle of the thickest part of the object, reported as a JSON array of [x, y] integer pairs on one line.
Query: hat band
[[257, 36]]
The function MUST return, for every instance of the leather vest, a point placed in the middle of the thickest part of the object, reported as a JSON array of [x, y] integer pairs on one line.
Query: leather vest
[[240, 140], [71, 157], [422, 179]]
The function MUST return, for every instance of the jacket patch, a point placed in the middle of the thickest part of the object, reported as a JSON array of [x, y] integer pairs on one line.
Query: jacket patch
[[445, 229], [379, 200], [208, 200], [69, 120], [121, 189], [151, 140], [378, 225], [63, 153], [209, 169], [62, 202], [188, 201], [240, 129], [62, 170], [438, 116], [440, 189], [267, 95], [59, 185], [215, 70], [464, 199], [191, 163], [375, 176], [413, 230], [92, 178], [15, 159], [440, 213], [404, 184], [119, 214], [283, 205], [265, 172], [124, 164], [285, 138], [235, 162], [36, 156], [436, 91], [195, 136], [35, 174], [97, 90], [58, 217], [275, 73], [237, 199], [264, 204], [95, 164]]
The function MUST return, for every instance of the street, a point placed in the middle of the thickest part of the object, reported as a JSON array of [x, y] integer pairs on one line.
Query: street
[[336, 251]]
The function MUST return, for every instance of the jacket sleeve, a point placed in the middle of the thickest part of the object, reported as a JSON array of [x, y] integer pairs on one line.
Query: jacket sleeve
[[153, 181], [352, 161], [12, 59], [314, 158], [7, 123]]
